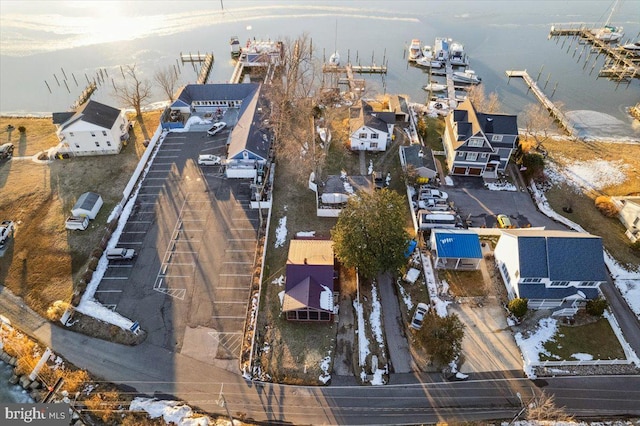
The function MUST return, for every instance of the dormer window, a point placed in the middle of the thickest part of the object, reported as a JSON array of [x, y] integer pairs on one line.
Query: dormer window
[[477, 143]]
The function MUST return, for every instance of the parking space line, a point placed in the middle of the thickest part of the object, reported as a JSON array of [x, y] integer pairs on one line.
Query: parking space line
[[241, 229], [171, 150], [115, 278], [241, 239], [238, 251], [239, 263], [228, 316], [108, 291], [234, 275], [232, 288], [119, 266], [168, 156]]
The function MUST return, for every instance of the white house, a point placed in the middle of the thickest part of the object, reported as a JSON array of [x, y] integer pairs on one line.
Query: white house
[[552, 269], [370, 130], [630, 216], [94, 129]]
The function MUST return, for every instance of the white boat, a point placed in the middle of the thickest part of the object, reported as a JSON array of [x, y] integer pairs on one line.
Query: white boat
[[608, 32], [457, 57], [466, 77], [632, 47], [334, 59], [435, 87], [324, 133], [441, 49], [415, 50]]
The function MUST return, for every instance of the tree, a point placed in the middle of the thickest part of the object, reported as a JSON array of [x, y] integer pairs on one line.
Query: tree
[[518, 307], [538, 125], [481, 102], [167, 79], [134, 91], [370, 233], [443, 337], [606, 206], [596, 306], [533, 165]]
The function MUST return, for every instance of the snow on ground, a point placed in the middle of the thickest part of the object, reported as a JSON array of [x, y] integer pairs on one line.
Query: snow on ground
[[406, 297], [281, 232], [363, 342], [532, 346], [171, 411], [325, 364], [376, 316], [432, 287], [591, 174], [281, 297], [497, 186], [629, 353], [448, 181], [279, 281], [597, 126], [302, 234], [582, 356]]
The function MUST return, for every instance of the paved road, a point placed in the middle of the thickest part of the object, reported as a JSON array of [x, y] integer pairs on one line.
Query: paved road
[[397, 344]]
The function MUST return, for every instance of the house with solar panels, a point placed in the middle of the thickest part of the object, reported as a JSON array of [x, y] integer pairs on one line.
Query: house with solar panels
[[455, 249], [309, 288], [94, 129], [557, 270]]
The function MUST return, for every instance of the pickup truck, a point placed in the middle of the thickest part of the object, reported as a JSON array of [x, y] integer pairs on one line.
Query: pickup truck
[[6, 230]]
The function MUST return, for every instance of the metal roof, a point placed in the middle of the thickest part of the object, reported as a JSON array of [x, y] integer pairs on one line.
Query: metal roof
[[539, 291], [456, 244], [95, 113], [86, 201]]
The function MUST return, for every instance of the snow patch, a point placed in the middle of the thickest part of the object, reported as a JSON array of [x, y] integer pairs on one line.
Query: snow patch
[[325, 364], [582, 356], [532, 346], [496, 186], [448, 181], [171, 411], [279, 281], [406, 297], [281, 232], [303, 234]]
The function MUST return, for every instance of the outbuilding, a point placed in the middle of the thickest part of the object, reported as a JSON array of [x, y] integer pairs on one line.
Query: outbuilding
[[456, 249], [88, 205]]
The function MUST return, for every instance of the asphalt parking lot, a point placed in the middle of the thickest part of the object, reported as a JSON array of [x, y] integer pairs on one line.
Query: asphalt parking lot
[[196, 239], [479, 206]]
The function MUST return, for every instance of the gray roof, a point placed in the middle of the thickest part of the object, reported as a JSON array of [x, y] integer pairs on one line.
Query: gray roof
[[500, 124], [539, 291], [562, 258], [411, 154], [216, 92], [249, 133], [86, 201], [61, 117], [95, 113], [335, 184]]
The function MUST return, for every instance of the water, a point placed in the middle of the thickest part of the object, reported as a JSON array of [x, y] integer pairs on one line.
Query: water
[[10, 393]]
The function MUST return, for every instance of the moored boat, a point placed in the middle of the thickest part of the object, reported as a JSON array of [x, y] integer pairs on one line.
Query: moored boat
[[608, 33], [441, 49], [435, 87], [334, 59], [457, 57], [234, 44], [466, 77], [415, 50], [632, 47]]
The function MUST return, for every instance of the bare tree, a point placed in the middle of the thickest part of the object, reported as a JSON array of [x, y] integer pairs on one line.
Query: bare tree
[[133, 91], [543, 408], [538, 125], [481, 102], [167, 78]]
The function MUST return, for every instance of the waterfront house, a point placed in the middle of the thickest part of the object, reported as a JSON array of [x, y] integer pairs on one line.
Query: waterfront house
[[94, 129], [557, 270], [308, 294], [455, 249], [420, 159], [369, 129], [478, 144], [630, 216]]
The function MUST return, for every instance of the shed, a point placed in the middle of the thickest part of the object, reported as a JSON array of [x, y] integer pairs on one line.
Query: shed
[[456, 249], [88, 205]]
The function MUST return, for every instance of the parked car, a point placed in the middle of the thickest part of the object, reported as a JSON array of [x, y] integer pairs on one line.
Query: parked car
[[434, 204], [120, 253], [433, 193], [77, 222], [209, 160], [216, 128], [6, 229], [503, 221], [418, 316], [6, 151]]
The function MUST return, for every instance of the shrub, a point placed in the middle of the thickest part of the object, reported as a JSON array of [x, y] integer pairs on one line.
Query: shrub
[[606, 206], [635, 246], [518, 307], [596, 306], [55, 311], [533, 165]]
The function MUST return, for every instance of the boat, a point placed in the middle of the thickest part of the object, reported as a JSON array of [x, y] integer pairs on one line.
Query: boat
[[609, 33], [234, 44], [415, 50], [435, 87], [457, 57], [334, 59], [466, 77], [441, 49], [324, 133], [427, 60], [632, 47]]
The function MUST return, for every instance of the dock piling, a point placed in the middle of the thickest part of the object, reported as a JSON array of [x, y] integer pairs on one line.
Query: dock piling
[[45, 82]]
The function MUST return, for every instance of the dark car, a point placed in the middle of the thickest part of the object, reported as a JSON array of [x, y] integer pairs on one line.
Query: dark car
[[6, 151]]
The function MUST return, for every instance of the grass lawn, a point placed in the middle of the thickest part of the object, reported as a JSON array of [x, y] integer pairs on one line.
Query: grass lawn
[[463, 283], [43, 260], [596, 339]]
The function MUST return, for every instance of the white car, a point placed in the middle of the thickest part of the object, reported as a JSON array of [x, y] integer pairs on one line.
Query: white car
[[433, 193], [216, 128], [418, 316], [209, 160]]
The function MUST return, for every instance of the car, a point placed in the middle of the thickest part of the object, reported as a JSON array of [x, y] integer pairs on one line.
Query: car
[[121, 253], [503, 221], [216, 128], [6, 150], [418, 316], [433, 193], [209, 160], [6, 229]]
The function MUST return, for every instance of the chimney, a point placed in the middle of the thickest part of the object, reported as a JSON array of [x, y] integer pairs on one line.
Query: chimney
[[488, 128], [305, 260]]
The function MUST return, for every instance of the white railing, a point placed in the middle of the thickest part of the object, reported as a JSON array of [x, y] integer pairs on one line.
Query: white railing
[[580, 362]]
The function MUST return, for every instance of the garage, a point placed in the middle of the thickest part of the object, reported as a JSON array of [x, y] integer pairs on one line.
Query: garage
[[459, 171], [475, 171]]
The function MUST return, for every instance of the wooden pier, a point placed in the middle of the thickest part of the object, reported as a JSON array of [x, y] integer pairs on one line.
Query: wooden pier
[[205, 70], [451, 90], [85, 95], [555, 112], [620, 64], [358, 69]]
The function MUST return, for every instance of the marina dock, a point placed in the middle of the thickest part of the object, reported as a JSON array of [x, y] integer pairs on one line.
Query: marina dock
[[620, 65], [555, 112], [85, 95], [206, 59]]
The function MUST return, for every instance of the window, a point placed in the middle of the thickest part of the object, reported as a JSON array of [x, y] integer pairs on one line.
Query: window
[[531, 280], [98, 144], [636, 221], [559, 283], [374, 136], [104, 133], [77, 145], [475, 143], [302, 315], [496, 138], [588, 284], [460, 154], [324, 316], [291, 315], [373, 145], [313, 315], [108, 143], [93, 135], [472, 156], [484, 155], [362, 136]]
